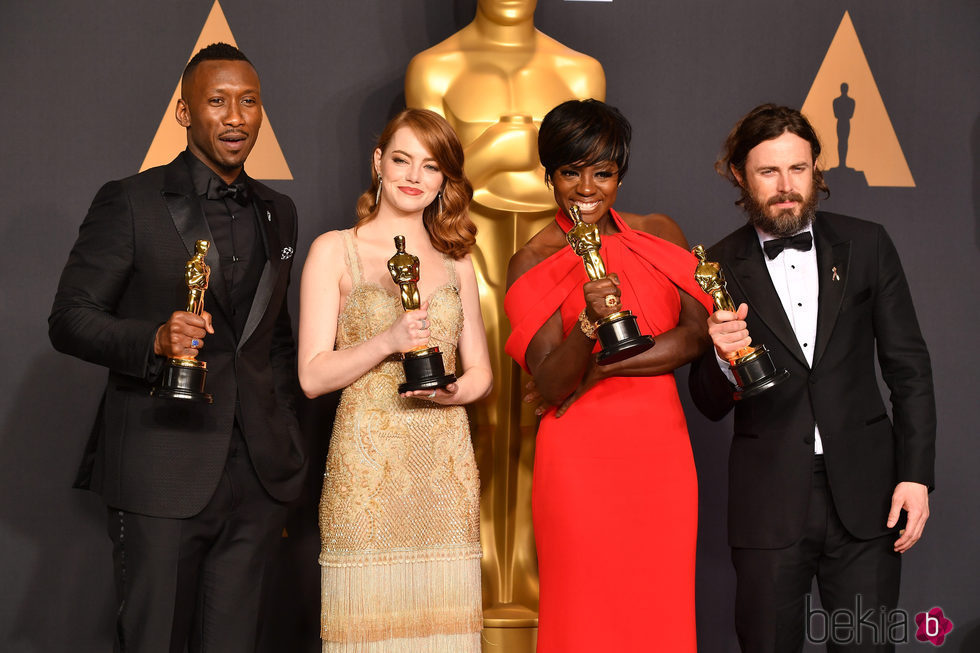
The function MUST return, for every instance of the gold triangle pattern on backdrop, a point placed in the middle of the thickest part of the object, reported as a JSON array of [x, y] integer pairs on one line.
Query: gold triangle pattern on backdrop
[[870, 143], [266, 160]]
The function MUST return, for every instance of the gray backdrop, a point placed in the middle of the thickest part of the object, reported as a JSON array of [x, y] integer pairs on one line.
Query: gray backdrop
[[85, 85]]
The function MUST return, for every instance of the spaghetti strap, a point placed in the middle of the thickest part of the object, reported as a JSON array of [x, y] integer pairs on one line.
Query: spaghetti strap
[[353, 260], [450, 264]]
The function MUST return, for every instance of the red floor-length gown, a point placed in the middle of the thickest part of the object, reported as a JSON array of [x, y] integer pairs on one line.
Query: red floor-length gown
[[615, 494]]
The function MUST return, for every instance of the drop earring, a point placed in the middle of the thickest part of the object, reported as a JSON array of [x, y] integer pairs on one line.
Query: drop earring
[[439, 196], [377, 196]]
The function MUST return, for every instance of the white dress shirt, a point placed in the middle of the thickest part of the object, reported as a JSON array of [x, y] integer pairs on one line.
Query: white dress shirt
[[794, 276]]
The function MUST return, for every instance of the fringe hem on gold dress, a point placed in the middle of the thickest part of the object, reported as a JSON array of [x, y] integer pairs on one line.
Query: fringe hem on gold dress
[[406, 601]]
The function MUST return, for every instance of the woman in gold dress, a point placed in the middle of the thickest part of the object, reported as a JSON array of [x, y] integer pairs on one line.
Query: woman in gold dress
[[399, 514]]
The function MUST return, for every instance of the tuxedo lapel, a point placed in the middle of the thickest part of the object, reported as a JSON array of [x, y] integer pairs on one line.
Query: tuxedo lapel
[[265, 209], [188, 216], [833, 257], [749, 272]]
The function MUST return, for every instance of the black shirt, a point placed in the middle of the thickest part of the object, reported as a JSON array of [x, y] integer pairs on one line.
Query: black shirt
[[235, 228]]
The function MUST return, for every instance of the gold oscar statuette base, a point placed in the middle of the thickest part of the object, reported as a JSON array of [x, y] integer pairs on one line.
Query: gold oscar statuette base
[[621, 338], [424, 370], [755, 372], [183, 378], [509, 628]]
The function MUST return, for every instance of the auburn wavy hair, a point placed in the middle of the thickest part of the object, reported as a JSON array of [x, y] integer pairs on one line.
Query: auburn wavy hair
[[451, 231]]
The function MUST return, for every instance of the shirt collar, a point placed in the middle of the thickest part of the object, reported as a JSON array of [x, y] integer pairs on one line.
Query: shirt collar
[[201, 174]]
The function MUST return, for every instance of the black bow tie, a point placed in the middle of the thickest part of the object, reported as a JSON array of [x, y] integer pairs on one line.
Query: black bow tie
[[801, 241], [218, 190]]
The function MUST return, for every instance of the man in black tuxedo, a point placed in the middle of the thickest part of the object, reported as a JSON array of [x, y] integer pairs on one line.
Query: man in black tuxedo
[[195, 492], [818, 474]]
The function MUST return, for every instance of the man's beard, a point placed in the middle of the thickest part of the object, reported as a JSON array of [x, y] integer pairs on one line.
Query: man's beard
[[785, 222]]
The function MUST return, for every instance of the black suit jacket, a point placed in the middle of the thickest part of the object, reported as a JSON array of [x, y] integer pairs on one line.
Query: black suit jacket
[[123, 279], [866, 310]]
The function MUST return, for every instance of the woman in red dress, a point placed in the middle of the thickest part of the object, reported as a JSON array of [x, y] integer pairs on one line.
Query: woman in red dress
[[615, 495]]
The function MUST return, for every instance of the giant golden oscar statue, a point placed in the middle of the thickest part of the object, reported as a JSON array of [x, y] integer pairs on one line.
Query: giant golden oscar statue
[[494, 81]]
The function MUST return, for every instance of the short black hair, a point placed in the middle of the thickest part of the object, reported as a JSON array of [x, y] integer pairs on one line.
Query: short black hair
[[214, 52], [583, 133]]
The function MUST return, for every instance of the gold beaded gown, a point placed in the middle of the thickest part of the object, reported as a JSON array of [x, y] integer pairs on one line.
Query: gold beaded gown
[[399, 513]]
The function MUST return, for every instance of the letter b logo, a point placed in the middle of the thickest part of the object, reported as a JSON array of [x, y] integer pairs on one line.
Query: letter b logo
[[933, 626]]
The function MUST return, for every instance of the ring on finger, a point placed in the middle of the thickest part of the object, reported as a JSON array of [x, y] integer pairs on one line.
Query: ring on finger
[[424, 324], [612, 301], [195, 342], [432, 394]]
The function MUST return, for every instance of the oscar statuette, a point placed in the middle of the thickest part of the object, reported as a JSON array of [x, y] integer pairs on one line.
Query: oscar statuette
[[424, 368], [619, 333], [752, 367], [183, 378]]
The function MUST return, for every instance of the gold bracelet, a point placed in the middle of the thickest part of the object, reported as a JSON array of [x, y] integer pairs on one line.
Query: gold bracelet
[[588, 328]]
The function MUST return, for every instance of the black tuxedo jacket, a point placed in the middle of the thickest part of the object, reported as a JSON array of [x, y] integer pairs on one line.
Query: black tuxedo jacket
[[864, 308], [123, 279]]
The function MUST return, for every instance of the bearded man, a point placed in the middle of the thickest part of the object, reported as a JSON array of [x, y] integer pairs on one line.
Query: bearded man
[[821, 482]]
